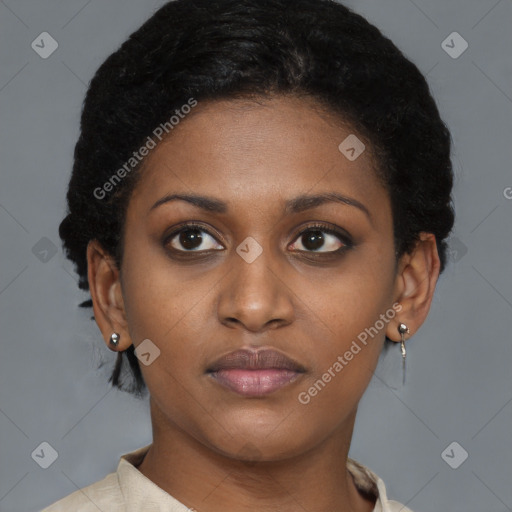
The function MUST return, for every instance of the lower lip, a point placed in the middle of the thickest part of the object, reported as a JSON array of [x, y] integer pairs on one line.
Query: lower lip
[[254, 382]]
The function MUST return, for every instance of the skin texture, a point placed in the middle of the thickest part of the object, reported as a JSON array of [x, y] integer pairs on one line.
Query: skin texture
[[213, 449]]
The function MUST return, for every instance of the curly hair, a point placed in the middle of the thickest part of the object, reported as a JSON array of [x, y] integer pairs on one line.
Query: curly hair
[[226, 49]]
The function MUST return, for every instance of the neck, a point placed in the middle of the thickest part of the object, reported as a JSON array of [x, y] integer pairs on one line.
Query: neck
[[206, 481]]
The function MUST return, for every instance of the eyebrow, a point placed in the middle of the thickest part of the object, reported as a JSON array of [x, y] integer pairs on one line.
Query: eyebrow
[[295, 205]]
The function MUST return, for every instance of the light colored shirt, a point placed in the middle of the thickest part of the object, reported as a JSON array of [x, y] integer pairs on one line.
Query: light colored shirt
[[128, 490]]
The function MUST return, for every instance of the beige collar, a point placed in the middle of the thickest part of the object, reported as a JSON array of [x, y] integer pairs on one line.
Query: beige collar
[[140, 493]]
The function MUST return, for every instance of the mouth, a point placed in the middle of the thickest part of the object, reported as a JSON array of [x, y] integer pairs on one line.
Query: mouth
[[255, 373]]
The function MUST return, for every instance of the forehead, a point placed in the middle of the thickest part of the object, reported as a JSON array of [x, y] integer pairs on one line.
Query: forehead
[[257, 151]]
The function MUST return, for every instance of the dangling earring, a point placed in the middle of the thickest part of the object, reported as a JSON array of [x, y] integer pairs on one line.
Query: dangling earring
[[402, 329], [114, 339]]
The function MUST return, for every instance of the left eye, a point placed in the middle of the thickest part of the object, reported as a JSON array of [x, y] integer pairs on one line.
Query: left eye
[[313, 239]]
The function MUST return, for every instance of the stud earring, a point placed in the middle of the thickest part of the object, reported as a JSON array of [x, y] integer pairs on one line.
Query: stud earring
[[402, 329], [114, 339]]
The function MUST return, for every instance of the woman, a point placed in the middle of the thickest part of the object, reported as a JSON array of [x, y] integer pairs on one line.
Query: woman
[[260, 199]]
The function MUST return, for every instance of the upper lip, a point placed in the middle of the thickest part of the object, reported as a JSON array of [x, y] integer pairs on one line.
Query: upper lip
[[255, 360]]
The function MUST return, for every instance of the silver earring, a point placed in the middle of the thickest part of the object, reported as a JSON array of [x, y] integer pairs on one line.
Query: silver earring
[[114, 339], [402, 329]]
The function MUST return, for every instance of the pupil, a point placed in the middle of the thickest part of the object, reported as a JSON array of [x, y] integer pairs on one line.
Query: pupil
[[313, 241], [193, 239]]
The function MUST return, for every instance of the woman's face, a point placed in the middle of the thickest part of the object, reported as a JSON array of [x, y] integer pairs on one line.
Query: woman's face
[[266, 269]]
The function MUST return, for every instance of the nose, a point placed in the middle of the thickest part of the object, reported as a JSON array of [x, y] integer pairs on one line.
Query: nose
[[256, 296]]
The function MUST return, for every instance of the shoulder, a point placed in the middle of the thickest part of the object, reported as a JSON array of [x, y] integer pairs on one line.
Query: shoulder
[[102, 495], [368, 483]]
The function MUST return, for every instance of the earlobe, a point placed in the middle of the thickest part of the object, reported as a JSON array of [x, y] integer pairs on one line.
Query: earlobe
[[415, 285], [105, 288]]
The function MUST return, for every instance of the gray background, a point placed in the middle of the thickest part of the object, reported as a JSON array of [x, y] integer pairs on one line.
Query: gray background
[[458, 382]]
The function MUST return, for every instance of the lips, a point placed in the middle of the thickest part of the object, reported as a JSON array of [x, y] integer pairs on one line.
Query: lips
[[255, 373], [245, 359]]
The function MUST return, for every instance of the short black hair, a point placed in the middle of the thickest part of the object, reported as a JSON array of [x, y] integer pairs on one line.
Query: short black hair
[[227, 49]]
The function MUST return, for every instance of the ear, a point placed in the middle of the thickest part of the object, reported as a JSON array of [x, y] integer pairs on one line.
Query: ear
[[418, 272], [106, 294]]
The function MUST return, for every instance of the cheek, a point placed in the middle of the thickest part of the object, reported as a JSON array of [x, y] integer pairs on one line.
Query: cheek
[[349, 316], [157, 299], [166, 306], [343, 368], [350, 298]]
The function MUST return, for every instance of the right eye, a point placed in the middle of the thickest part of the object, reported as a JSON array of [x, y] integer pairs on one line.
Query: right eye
[[191, 238]]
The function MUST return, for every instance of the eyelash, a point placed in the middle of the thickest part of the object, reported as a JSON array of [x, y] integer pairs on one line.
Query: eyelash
[[324, 228]]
